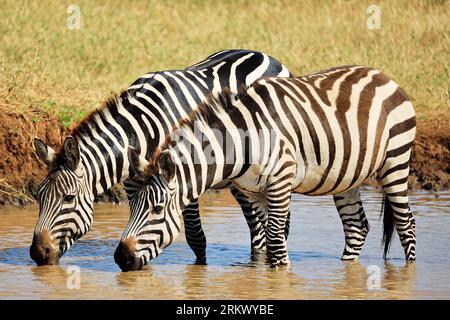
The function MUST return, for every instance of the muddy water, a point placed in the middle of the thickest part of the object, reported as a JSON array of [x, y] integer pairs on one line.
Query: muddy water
[[315, 245]]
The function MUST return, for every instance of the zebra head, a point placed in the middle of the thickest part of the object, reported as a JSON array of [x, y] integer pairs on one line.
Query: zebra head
[[155, 214], [65, 204]]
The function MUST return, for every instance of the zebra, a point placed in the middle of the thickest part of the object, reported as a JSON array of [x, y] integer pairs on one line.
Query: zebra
[[94, 156], [319, 134]]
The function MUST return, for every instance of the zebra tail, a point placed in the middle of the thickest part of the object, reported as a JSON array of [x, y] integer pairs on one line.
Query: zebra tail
[[388, 225]]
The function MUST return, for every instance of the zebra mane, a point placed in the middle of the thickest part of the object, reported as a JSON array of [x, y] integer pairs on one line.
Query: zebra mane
[[111, 102], [205, 112]]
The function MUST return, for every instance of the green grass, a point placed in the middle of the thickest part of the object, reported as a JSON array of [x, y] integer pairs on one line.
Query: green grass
[[43, 65], [66, 113]]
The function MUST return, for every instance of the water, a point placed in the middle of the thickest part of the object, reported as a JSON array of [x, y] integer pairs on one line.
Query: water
[[315, 246]]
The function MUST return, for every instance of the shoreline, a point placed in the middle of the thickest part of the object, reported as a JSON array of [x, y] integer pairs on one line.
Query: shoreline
[[214, 192]]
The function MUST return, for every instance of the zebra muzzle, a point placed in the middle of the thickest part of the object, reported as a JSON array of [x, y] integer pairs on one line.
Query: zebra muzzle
[[125, 256], [42, 251]]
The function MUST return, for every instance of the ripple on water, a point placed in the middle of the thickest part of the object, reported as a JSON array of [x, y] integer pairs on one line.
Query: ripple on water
[[315, 245]]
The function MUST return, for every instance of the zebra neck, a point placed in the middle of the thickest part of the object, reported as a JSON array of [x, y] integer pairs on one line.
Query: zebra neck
[[105, 164], [104, 140], [200, 169]]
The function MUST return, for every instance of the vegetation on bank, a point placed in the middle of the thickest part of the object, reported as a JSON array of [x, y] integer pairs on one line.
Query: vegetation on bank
[[46, 66]]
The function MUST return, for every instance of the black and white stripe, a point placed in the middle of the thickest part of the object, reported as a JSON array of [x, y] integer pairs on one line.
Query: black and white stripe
[[320, 134], [95, 156]]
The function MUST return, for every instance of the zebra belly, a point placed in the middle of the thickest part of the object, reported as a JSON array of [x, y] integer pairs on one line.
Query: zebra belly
[[330, 184], [311, 182]]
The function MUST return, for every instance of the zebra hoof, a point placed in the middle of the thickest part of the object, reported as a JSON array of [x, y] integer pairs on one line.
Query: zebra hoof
[[259, 250], [258, 256], [276, 263], [346, 257], [201, 261]]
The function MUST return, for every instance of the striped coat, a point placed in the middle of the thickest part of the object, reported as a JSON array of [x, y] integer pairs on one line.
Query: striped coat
[[320, 134], [94, 157]]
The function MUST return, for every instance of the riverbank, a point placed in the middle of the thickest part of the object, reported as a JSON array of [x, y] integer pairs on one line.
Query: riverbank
[[21, 173]]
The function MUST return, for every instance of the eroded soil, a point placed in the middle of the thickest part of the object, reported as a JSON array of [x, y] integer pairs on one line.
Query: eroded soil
[[20, 171]]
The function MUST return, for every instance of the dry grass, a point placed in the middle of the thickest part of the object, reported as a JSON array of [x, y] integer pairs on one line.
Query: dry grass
[[43, 65]]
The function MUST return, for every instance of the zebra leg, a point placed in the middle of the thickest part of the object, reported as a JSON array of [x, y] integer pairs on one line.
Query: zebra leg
[[195, 237], [261, 213], [255, 220], [288, 224], [256, 217], [397, 213], [354, 221], [278, 202]]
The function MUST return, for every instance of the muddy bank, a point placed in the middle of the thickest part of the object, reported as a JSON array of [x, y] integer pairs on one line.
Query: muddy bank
[[21, 173], [430, 161]]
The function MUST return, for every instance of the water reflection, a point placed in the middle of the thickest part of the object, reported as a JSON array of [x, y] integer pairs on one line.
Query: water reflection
[[360, 282], [233, 272], [52, 276], [259, 282], [399, 281]]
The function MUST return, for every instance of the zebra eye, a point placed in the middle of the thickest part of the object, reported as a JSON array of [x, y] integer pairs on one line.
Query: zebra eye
[[157, 209], [69, 198]]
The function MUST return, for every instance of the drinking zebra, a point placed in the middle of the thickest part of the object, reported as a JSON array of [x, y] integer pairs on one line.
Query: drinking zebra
[[94, 157], [320, 134]]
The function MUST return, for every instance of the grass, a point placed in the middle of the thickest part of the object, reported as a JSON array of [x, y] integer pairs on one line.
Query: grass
[[46, 66], [67, 114]]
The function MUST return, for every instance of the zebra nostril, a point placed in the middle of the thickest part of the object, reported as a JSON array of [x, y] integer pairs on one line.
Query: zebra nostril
[[125, 256], [41, 250]]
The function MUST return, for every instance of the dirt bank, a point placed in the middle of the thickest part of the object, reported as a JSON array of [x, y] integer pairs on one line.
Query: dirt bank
[[430, 164], [21, 173]]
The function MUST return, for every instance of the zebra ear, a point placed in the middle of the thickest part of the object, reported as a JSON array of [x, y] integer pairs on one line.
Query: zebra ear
[[166, 165], [137, 163], [72, 152], [44, 152]]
